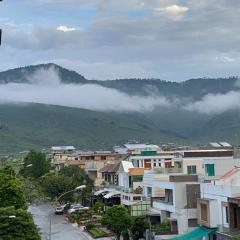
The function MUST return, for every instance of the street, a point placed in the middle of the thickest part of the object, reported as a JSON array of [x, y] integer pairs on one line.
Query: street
[[55, 227]]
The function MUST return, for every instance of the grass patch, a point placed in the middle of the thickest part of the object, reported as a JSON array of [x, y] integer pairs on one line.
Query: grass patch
[[97, 232]]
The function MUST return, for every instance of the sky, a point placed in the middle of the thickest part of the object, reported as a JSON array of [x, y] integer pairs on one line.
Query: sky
[[172, 40]]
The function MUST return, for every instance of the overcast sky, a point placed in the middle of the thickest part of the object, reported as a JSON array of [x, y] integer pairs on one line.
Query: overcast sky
[[108, 39]]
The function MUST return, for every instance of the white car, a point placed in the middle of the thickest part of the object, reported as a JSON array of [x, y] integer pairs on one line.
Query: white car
[[59, 210], [76, 208]]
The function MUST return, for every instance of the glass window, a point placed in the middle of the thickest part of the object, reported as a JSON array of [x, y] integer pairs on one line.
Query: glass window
[[192, 169]]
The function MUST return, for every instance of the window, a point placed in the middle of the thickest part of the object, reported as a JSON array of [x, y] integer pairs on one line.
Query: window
[[226, 212], [192, 169], [103, 157], [204, 212], [136, 198], [192, 222], [210, 170], [149, 191]]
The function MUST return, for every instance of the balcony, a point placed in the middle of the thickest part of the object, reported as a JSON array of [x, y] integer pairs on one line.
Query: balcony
[[130, 198], [162, 204], [160, 170]]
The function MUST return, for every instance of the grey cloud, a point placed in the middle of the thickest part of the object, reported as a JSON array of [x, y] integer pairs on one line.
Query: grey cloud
[[173, 50]]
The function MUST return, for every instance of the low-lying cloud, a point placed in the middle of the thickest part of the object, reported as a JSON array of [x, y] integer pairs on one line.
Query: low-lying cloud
[[45, 87], [216, 103]]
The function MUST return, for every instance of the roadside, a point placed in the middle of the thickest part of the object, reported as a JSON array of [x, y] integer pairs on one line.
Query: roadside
[[56, 227]]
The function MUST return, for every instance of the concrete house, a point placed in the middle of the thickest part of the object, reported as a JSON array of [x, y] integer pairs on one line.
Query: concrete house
[[219, 205], [173, 197]]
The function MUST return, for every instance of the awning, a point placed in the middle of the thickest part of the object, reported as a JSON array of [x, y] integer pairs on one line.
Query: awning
[[100, 192], [196, 234], [112, 194], [153, 212]]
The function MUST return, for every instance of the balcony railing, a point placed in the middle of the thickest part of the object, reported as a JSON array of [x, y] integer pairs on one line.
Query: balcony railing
[[167, 170], [228, 231]]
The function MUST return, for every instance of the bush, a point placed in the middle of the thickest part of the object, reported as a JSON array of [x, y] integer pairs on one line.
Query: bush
[[90, 226], [165, 223]]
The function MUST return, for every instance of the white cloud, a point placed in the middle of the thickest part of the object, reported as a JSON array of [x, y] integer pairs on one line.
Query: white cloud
[[45, 87], [66, 29], [172, 9], [216, 103]]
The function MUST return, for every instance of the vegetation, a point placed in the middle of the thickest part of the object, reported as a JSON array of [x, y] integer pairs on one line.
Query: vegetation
[[140, 224], [35, 165], [101, 130], [95, 231], [55, 184], [78, 177], [117, 219], [15, 221], [17, 224], [11, 190]]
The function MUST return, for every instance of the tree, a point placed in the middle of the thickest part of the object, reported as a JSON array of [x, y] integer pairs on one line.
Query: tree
[[11, 191], [140, 224], [79, 177], [35, 165], [17, 224], [118, 219], [54, 185]]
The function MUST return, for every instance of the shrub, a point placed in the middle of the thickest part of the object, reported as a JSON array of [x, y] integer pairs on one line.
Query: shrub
[[89, 226]]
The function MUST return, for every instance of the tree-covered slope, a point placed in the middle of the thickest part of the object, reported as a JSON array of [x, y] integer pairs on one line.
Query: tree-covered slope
[[36, 125]]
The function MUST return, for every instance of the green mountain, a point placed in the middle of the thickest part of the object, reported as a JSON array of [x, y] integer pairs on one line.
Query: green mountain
[[37, 125], [193, 88], [24, 126]]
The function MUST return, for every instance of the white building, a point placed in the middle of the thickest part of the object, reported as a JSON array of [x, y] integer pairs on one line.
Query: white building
[[173, 197], [219, 204]]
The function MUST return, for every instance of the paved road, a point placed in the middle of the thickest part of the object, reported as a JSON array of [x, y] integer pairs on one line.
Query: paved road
[[60, 229]]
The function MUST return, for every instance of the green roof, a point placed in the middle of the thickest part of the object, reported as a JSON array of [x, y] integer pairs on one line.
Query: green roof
[[196, 234]]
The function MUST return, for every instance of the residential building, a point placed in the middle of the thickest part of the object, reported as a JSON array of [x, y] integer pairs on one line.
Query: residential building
[[219, 205], [173, 197], [211, 163], [110, 174]]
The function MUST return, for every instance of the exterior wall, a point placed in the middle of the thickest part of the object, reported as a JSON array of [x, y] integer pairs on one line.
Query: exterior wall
[[193, 162], [140, 209], [217, 196], [123, 180], [222, 165], [182, 216]]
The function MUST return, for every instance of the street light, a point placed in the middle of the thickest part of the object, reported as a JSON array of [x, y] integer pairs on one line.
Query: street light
[[80, 187], [73, 190]]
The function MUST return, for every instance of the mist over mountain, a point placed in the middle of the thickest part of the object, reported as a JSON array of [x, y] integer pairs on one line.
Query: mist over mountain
[[196, 110]]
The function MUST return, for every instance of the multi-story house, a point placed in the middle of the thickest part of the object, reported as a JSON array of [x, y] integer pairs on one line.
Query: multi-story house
[[131, 185], [219, 205], [212, 163], [60, 154], [173, 197]]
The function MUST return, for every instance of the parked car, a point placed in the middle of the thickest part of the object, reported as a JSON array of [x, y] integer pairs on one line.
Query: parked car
[[77, 207], [59, 210]]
